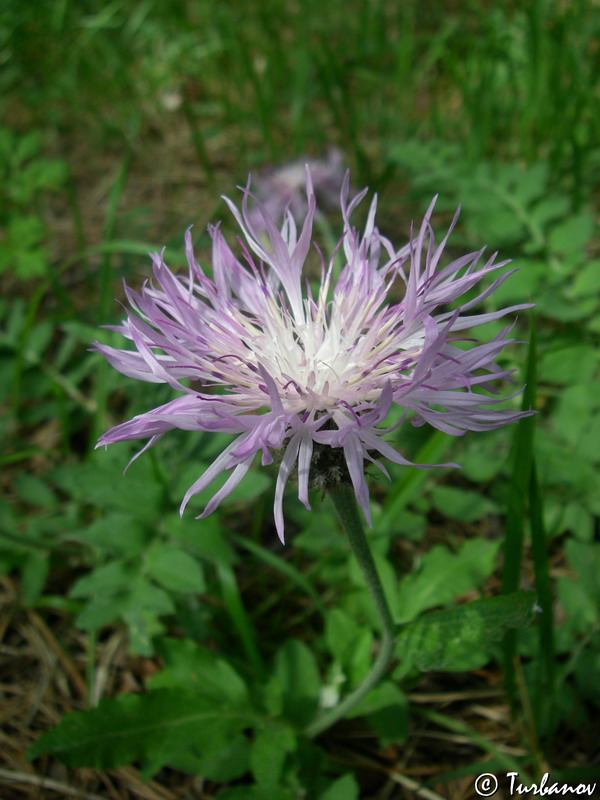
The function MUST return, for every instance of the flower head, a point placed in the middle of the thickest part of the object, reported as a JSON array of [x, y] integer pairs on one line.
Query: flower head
[[312, 374], [285, 187]]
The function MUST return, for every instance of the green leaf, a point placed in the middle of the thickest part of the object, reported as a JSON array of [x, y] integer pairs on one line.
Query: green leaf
[[386, 710], [350, 644], [461, 504], [101, 481], [549, 208], [270, 748], [120, 532], [203, 537], [569, 365], [158, 726], [256, 793], [191, 666], [174, 569], [459, 638], [101, 611], [142, 625], [572, 234], [225, 763], [586, 281], [33, 576], [108, 579], [294, 687], [441, 576], [580, 596], [150, 597], [33, 490], [345, 788]]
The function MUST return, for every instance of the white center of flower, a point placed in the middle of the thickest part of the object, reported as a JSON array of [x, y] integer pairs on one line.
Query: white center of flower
[[344, 356]]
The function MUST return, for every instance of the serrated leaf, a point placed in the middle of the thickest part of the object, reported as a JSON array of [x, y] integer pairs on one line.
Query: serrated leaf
[[225, 763], [120, 532], [441, 576], [100, 481], [101, 611], [174, 569], [159, 725], [196, 668], [150, 597], [105, 580], [142, 625], [459, 638]]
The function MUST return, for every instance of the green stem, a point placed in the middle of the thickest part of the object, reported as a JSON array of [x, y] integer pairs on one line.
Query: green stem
[[344, 501]]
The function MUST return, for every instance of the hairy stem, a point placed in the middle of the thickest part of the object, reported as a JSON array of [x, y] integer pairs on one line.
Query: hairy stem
[[345, 504]]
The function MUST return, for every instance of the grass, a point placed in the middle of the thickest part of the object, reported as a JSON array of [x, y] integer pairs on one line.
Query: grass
[[147, 113]]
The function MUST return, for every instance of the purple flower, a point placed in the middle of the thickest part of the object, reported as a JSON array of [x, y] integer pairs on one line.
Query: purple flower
[[310, 375], [285, 187]]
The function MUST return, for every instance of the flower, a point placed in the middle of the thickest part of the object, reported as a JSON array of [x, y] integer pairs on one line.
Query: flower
[[311, 375], [285, 187]]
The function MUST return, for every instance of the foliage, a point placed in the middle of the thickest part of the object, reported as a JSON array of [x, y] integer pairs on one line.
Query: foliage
[[26, 177], [492, 108]]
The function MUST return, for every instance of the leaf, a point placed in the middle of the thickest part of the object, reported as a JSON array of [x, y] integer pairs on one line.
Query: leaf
[[256, 793], [345, 788], [191, 666], [100, 481], [159, 726], [174, 569], [120, 532], [118, 589], [269, 751], [142, 625], [580, 596], [105, 580], [33, 576], [101, 611], [442, 576], [294, 687], [386, 709], [569, 365], [33, 490], [459, 638], [225, 763], [572, 234], [549, 208], [461, 504], [203, 537], [349, 643], [587, 280]]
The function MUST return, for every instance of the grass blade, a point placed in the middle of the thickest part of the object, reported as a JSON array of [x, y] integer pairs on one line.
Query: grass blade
[[522, 459]]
